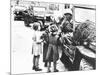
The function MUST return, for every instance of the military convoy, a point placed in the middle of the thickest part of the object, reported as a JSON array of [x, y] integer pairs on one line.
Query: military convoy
[[30, 16]]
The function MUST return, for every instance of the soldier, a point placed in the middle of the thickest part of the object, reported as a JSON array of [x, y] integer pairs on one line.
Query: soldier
[[66, 40]]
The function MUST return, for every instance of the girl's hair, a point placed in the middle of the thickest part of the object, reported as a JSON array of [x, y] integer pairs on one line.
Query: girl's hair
[[35, 27]]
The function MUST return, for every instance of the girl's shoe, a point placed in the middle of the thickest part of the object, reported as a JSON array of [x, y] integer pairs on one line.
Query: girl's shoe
[[38, 69], [48, 71], [56, 70], [33, 67]]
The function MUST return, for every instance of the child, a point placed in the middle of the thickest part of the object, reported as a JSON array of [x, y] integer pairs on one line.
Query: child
[[52, 47], [37, 46], [45, 37]]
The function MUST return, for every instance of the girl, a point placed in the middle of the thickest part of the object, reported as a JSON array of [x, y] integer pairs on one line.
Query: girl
[[52, 47], [37, 46]]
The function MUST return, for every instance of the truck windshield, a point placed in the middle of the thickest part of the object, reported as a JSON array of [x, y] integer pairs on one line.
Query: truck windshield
[[83, 14]]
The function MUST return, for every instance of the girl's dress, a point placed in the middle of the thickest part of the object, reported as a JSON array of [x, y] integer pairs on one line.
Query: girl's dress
[[37, 45], [52, 49]]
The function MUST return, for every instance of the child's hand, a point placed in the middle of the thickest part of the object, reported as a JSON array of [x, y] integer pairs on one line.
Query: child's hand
[[45, 42]]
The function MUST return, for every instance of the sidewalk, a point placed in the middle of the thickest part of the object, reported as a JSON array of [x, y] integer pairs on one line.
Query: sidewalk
[[21, 61]]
